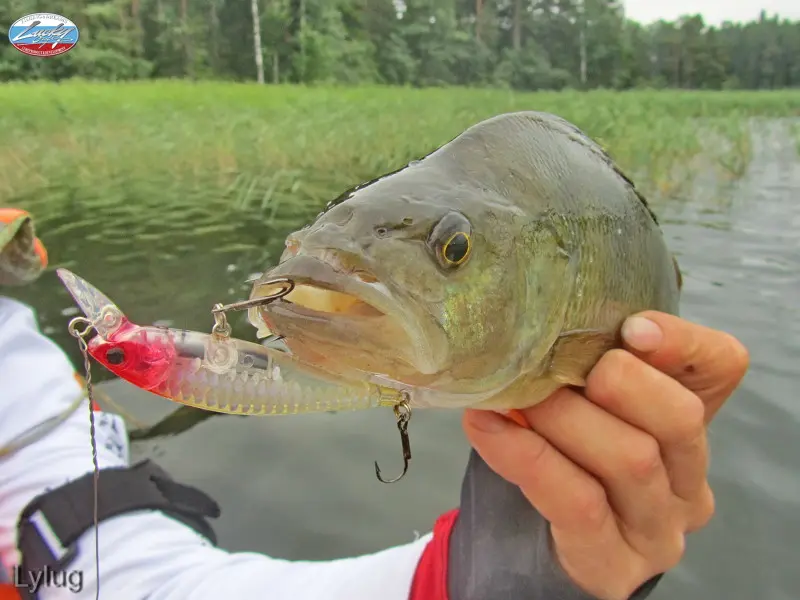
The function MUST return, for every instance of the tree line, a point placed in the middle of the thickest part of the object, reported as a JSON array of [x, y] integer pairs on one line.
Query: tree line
[[520, 44]]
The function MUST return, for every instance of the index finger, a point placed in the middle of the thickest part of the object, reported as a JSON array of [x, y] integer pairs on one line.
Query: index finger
[[708, 362]]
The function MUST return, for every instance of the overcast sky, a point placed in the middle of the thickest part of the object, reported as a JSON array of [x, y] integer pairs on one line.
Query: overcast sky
[[713, 11]]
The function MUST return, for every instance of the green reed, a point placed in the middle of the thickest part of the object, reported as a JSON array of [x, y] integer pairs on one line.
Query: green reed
[[796, 130], [151, 155]]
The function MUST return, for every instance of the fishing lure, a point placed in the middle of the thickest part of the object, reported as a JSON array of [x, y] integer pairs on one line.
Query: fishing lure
[[215, 372]]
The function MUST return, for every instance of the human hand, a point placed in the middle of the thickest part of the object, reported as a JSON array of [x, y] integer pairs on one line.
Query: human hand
[[620, 472]]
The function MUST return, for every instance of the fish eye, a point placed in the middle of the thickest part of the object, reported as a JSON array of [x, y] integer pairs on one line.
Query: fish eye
[[456, 250], [115, 356], [450, 240]]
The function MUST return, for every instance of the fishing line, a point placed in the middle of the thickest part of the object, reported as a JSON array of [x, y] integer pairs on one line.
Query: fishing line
[[80, 335]]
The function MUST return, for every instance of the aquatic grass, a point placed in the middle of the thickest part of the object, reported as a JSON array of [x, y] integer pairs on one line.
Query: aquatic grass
[[149, 156], [796, 130], [729, 144]]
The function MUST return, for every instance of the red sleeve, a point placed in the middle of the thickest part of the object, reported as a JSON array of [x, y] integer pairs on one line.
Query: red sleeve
[[8, 591], [430, 578]]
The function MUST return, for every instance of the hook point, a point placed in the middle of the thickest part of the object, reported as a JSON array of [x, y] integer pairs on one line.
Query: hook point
[[396, 479]]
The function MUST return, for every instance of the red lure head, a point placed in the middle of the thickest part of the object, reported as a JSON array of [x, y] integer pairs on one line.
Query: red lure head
[[142, 356]]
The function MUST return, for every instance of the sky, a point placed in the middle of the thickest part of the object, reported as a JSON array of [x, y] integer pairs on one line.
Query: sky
[[714, 11]]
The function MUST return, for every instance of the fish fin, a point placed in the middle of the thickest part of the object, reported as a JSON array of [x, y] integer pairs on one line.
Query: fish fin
[[576, 352], [678, 275]]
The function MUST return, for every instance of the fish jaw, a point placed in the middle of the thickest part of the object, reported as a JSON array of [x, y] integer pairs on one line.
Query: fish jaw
[[348, 320]]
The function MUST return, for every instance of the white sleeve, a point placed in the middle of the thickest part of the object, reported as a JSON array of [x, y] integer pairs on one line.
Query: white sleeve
[[145, 554]]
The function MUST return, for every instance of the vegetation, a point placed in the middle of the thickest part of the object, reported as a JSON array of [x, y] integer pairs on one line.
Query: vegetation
[[520, 44], [252, 149], [796, 129]]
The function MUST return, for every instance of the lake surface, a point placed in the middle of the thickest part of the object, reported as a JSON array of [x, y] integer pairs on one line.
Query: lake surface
[[304, 487]]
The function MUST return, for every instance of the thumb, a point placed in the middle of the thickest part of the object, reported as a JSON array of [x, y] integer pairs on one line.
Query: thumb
[[708, 362]]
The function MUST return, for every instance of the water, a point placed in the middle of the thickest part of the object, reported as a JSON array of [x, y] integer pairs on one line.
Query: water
[[304, 487]]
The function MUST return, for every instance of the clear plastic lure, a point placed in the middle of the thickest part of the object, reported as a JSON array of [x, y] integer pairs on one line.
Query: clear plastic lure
[[212, 371]]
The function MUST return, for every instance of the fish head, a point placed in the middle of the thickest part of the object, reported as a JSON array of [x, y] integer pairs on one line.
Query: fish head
[[412, 277]]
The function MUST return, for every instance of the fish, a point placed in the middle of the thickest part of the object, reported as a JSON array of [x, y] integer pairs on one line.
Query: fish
[[23, 257], [211, 371], [489, 274]]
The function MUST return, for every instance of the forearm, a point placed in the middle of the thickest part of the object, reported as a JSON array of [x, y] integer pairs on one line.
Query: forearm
[[148, 554], [142, 554], [152, 556]]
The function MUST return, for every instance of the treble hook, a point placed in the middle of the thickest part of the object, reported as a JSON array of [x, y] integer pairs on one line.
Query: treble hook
[[402, 411]]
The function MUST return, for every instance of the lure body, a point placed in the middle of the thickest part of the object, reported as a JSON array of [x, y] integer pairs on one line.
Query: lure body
[[215, 372]]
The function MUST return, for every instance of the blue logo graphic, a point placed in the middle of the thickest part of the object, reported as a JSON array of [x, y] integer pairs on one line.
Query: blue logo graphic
[[43, 34]]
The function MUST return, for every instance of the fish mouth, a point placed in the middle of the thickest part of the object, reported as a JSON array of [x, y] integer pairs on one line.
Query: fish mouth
[[341, 314]]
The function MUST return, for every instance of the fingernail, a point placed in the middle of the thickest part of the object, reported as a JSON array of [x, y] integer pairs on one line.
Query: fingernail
[[642, 334], [488, 421]]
